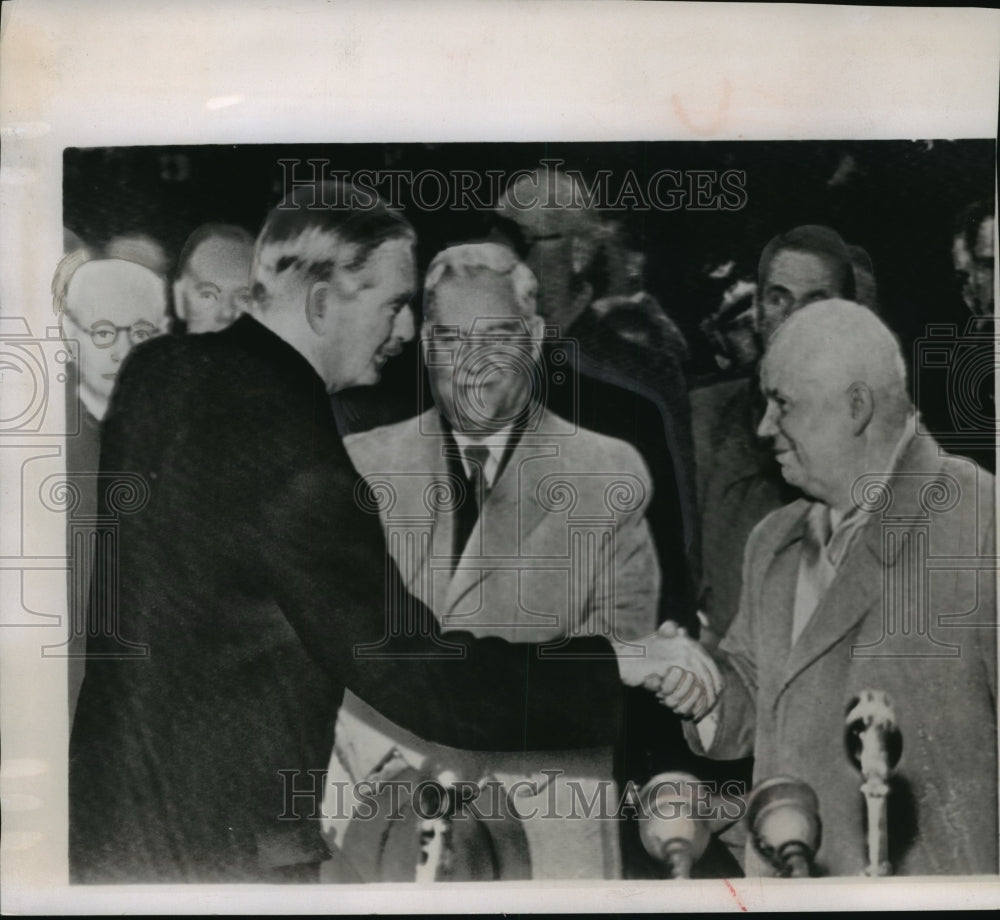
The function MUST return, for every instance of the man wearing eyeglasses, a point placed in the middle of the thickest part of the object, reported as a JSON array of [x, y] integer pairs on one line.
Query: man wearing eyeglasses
[[106, 307]]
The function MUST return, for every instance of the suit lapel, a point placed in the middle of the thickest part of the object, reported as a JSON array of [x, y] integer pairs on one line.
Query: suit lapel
[[419, 523], [858, 586], [855, 589]]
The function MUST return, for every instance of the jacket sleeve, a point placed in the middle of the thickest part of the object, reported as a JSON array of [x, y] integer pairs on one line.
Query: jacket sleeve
[[736, 711], [263, 474], [333, 578]]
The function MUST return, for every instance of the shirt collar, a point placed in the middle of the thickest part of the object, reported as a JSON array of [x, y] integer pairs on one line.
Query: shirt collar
[[495, 442]]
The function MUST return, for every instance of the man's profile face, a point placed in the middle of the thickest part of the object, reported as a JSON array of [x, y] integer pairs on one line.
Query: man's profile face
[[793, 280], [104, 297], [371, 325], [807, 421], [480, 352], [214, 288]]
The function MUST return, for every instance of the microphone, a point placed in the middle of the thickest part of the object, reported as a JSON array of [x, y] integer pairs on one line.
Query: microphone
[[671, 830], [436, 857], [783, 814], [874, 744]]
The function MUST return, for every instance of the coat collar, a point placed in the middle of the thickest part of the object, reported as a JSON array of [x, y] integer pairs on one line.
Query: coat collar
[[898, 500]]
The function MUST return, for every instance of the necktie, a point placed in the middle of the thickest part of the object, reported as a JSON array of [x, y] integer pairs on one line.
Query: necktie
[[475, 456]]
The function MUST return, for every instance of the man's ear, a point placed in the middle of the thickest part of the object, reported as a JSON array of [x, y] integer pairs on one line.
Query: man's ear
[[318, 306], [862, 405]]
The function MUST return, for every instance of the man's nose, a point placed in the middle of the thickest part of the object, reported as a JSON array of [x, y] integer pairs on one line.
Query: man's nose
[[768, 428], [404, 327], [121, 346]]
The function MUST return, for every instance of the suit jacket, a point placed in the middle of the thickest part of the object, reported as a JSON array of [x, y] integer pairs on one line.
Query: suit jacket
[[560, 547], [911, 611], [252, 586], [82, 459], [519, 578]]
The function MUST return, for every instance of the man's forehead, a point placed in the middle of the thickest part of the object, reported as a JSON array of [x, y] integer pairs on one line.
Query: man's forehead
[[789, 368], [216, 255], [803, 266], [484, 295], [116, 286]]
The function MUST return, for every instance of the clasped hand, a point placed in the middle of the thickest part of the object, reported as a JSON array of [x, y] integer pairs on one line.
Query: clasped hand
[[676, 668]]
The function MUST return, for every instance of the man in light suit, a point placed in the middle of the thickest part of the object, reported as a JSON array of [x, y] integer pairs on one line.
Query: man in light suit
[[882, 578], [535, 533]]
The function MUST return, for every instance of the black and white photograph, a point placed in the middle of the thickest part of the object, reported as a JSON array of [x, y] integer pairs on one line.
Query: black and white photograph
[[553, 513]]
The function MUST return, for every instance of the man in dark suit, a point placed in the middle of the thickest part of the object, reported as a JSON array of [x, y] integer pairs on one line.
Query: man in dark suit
[[249, 585]]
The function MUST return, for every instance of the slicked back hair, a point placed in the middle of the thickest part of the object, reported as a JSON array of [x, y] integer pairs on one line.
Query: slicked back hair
[[317, 229]]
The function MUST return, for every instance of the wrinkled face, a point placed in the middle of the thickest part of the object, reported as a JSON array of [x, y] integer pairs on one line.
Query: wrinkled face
[[793, 280], [481, 353], [369, 326], [215, 286], [111, 305], [808, 422]]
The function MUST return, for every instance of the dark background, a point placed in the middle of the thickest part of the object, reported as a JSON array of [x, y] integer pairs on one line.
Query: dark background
[[897, 199]]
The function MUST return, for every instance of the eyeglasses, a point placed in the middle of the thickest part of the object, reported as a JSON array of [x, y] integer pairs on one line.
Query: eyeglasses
[[104, 333]]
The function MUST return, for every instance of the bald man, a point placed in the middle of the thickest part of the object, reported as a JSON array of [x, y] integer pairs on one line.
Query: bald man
[[877, 579], [105, 306], [212, 279], [738, 480]]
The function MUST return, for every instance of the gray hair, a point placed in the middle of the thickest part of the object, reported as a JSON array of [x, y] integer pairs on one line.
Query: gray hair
[[64, 273], [471, 259]]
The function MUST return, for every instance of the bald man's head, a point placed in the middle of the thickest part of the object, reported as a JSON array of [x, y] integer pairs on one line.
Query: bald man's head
[[835, 384], [110, 305]]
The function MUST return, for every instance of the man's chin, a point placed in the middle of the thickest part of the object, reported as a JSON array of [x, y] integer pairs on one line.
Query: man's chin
[[790, 476], [369, 378]]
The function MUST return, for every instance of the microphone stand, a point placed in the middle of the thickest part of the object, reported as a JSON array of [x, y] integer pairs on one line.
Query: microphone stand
[[671, 830], [874, 744], [783, 814]]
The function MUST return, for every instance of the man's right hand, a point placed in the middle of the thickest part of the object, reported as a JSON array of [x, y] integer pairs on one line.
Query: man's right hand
[[675, 667]]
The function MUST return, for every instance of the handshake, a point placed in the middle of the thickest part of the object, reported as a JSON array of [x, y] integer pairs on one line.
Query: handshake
[[675, 667]]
